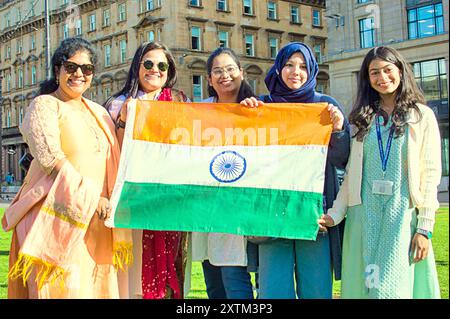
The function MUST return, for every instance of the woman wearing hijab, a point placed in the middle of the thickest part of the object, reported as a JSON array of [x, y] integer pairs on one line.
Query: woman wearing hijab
[[292, 79]]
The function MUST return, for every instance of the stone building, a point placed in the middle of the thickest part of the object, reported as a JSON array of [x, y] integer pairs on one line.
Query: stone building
[[192, 29], [416, 28]]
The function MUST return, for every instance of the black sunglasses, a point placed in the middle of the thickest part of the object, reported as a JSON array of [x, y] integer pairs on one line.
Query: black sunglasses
[[162, 66], [71, 67]]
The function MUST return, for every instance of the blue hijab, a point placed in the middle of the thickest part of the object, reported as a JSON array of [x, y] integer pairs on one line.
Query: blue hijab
[[279, 92]]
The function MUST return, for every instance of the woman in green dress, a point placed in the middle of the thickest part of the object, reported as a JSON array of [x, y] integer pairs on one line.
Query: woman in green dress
[[389, 193]]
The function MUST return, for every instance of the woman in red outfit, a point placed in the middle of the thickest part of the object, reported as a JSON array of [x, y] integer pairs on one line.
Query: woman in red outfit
[[158, 269]]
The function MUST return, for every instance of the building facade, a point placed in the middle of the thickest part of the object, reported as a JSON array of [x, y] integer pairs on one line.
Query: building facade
[[192, 29], [416, 28]]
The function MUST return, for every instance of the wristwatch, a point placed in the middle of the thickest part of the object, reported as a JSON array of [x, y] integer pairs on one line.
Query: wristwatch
[[424, 232]]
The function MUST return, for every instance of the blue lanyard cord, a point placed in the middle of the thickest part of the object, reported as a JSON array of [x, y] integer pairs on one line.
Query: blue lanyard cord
[[384, 156]]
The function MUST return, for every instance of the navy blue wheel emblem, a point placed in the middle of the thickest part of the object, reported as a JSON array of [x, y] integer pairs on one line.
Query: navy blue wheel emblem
[[228, 167]]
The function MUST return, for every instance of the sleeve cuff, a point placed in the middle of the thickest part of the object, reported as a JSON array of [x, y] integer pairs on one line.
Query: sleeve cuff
[[337, 218], [426, 219]]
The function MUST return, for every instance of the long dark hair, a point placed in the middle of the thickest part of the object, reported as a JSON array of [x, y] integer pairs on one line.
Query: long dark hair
[[131, 86], [68, 48], [367, 103], [245, 90]]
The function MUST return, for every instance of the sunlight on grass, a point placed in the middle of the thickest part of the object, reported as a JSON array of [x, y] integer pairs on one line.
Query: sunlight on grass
[[198, 289]]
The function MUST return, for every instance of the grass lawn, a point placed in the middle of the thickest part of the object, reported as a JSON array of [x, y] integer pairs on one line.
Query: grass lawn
[[440, 246]]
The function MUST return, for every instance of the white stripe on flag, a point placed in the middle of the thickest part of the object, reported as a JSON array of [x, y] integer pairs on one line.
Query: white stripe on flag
[[181, 164]]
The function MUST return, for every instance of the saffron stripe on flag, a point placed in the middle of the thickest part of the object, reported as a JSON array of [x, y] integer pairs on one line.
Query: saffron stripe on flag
[[166, 122]]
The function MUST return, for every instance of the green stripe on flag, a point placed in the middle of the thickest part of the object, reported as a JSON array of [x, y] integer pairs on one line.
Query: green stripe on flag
[[234, 210]]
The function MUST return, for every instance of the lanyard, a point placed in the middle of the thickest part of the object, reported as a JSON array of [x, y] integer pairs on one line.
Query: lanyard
[[384, 156]]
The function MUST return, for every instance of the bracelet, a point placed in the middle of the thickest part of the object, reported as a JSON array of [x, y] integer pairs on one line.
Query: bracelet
[[120, 124], [425, 233]]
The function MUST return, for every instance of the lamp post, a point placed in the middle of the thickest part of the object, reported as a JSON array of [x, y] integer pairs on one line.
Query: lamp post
[[47, 40]]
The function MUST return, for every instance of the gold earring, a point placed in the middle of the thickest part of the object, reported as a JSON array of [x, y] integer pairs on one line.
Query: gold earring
[[57, 81]]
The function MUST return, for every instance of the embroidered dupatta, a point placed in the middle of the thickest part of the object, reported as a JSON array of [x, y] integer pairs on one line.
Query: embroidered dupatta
[[66, 206]]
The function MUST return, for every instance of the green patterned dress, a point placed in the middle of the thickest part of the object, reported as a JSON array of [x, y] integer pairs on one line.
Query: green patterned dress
[[378, 233]]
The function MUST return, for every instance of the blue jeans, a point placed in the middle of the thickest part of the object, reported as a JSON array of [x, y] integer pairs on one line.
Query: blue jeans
[[309, 261], [227, 282]]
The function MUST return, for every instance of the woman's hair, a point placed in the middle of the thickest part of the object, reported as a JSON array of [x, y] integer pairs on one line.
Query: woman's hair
[[245, 90], [367, 103], [68, 48], [132, 85]]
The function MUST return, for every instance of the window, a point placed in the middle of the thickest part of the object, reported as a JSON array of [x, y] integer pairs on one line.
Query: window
[[92, 22], [273, 47], [33, 42], [364, 1], [65, 31], [366, 33], [8, 118], [152, 4], [195, 3], [271, 10], [8, 52], [20, 78], [222, 5], [151, 36], [195, 39], [122, 12], [78, 30], [248, 7], [320, 88], [107, 92], [425, 21], [123, 51], [20, 115], [432, 78], [252, 83], [107, 50], [8, 82], [106, 17], [197, 88], [223, 39], [7, 20], [318, 52], [19, 46], [249, 45], [295, 16], [316, 19], [33, 75]]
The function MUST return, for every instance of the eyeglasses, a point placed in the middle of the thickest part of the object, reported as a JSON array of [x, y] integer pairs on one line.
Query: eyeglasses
[[162, 66], [72, 67], [231, 69]]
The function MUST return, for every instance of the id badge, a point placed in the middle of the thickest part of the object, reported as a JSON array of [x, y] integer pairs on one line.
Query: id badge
[[382, 187]]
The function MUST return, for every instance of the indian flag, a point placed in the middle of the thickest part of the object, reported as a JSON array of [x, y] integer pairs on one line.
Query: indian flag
[[212, 167]]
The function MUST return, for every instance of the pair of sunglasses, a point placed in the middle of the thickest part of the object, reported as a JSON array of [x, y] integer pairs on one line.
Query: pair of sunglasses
[[72, 67], [162, 66]]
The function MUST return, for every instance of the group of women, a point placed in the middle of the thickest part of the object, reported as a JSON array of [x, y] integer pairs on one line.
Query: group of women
[[61, 249]]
